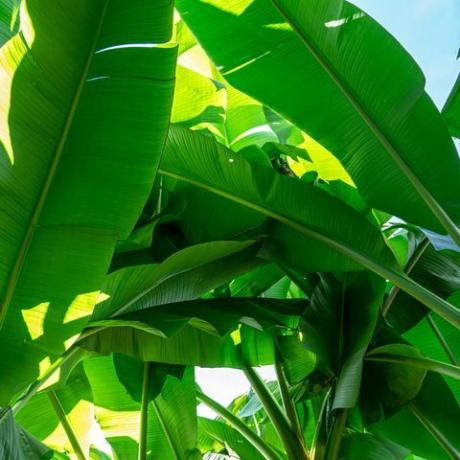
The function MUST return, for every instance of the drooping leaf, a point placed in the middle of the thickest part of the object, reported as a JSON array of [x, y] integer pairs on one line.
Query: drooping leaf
[[185, 276], [438, 340], [216, 316], [189, 333]]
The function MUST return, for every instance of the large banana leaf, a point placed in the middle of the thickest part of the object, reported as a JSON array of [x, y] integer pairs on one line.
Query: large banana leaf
[[407, 355], [310, 230], [337, 74], [216, 316], [84, 110]]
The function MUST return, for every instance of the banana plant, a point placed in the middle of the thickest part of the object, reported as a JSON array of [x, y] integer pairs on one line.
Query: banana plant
[[224, 184]]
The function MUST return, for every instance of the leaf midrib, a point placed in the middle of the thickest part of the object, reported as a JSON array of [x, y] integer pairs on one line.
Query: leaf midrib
[[30, 232], [348, 93]]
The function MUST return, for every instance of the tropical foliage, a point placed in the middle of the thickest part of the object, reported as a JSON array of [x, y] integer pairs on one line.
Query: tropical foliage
[[224, 183]]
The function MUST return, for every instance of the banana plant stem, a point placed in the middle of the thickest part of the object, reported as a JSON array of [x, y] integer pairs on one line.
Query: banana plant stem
[[57, 406], [142, 454], [335, 438], [288, 404], [239, 426], [294, 447], [410, 266]]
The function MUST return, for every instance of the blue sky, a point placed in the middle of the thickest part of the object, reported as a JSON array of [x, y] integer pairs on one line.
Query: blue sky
[[430, 31]]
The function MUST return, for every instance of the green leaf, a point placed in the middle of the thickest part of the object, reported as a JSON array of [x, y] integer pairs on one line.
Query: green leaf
[[438, 340], [216, 316], [126, 368], [256, 282], [16, 443], [198, 100], [185, 275], [204, 168], [195, 161], [246, 123], [377, 120], [388, 386], [451, 110], [77, 165], [197, 332], [9, 10], [228, 436], [438, 406], [357, 446], [437, 271], [298, 361]]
